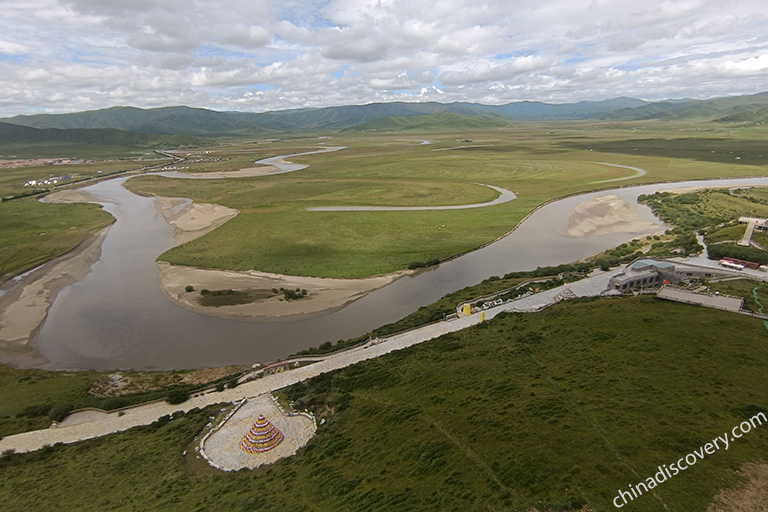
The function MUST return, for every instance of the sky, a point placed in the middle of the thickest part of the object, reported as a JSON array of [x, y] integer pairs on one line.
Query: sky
[[260, 55]]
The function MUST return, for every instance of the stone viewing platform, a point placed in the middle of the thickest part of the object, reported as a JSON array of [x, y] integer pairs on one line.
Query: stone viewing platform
[[263, 428]]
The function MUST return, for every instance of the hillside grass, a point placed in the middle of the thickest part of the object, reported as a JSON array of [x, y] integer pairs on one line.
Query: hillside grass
[[29, 397], [274, 233], [555, 410]]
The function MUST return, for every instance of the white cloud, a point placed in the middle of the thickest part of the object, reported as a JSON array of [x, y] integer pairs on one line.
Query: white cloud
[[63, 55]]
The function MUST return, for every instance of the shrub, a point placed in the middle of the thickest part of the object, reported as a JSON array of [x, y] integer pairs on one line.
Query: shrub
[[117, 402], [59, 411], [33, 411], [189, 288], [177, 396]]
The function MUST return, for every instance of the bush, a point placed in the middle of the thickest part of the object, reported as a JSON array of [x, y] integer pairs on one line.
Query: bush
[[33, 411], [117, 402], [177, 396], [189, 288], [59, 411]]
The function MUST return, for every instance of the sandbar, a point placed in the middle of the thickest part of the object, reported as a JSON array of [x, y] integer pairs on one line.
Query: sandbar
[[323, 294], [192, 220], [606, 214]]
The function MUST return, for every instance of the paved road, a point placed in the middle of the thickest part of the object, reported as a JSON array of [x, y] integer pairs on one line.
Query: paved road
[[108, 423], [504, 197]]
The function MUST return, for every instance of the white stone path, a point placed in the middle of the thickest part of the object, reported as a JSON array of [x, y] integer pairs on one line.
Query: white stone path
[[109, 423]]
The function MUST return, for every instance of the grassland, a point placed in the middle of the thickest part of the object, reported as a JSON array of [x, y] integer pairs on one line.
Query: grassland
[[553, 411], [275, 233], [32, 233]]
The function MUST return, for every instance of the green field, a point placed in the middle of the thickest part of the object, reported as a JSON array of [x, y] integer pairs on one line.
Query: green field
[[549, 411], [275, 233], [32, 233]]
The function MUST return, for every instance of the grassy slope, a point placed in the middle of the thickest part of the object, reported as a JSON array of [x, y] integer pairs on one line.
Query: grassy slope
[[558, 407], [274, 233]]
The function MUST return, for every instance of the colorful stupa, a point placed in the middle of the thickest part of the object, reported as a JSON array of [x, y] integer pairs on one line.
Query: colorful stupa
[[262, 437]]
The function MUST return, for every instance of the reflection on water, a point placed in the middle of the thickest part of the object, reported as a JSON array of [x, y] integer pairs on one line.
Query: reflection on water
[[118, 316]]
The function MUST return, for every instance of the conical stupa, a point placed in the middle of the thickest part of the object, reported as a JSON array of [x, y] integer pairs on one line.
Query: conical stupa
[[262, 437]]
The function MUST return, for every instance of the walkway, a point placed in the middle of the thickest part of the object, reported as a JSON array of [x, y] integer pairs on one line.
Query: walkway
[[747, 238], [505, 197], [148, 413]]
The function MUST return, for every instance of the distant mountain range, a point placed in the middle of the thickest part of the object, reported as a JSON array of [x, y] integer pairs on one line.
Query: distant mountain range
[[14, 134], [397, 116]]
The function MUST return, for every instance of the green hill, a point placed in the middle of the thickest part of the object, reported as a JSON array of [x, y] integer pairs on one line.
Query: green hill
[[711, 109], [12, 134], [208, 123], [555, 410], [754, 116], [444, 121]]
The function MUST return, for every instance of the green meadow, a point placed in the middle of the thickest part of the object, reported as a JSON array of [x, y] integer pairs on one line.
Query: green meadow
[[556, 410], [275, 233], [32, 233]]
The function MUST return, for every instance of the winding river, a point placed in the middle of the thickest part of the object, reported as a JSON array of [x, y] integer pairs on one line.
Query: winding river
[[119, 318]]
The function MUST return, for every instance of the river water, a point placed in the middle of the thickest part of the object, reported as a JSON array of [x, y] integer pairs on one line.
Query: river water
[[119, 318]]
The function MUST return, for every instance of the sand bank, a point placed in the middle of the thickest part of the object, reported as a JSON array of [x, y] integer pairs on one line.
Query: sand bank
[[322, 294], [606, 214], [72, 195], [25, 304], [192, 220], [24, 307]]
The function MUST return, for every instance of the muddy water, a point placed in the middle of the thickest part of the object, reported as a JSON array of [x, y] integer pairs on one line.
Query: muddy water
[[118, 316]]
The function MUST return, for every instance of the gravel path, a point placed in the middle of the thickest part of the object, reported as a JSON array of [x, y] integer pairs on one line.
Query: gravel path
[[107, 423]]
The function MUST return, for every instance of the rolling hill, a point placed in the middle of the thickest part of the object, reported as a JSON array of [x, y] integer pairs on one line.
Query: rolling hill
[[200, 122], [442, 121], [712, 109], [12, 134]]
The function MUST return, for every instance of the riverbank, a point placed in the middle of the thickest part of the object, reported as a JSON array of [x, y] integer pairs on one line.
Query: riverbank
[[25, 306]]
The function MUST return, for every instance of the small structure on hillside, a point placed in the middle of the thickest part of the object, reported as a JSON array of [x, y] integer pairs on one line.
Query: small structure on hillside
[[262, 437]]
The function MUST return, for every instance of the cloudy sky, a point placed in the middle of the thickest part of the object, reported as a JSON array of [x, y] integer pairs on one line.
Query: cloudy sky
[[257, 55]]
